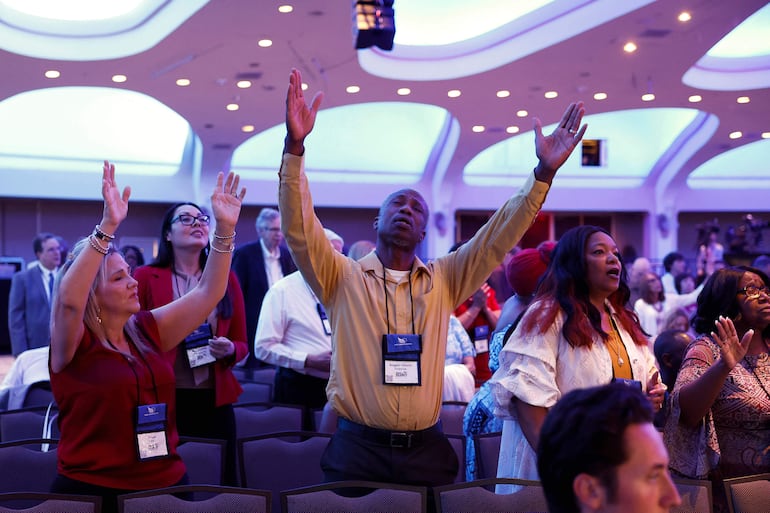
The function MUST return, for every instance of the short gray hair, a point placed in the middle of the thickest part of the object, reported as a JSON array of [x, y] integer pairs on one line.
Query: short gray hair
[[266, 215]]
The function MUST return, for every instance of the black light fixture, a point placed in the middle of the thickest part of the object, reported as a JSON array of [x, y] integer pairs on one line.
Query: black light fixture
[[374, 23]]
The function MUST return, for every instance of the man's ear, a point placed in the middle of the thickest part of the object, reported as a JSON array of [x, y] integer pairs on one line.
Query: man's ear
[[589, 492]]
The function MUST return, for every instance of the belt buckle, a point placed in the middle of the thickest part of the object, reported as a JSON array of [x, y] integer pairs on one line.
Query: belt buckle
[[401, 440]]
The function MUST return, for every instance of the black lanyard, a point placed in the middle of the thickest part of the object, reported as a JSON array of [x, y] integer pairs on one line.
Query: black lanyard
[[136, 376], [385, 288]]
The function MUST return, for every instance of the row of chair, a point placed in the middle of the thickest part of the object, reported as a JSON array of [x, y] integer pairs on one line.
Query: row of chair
[[746, 495]]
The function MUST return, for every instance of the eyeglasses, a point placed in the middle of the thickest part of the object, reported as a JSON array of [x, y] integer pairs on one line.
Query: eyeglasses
[[188, 220], [274, 230], [752, 291]]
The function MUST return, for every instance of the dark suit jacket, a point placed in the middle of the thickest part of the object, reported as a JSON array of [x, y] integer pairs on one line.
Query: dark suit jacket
[[249, 266], [155, 289], [29, 314]]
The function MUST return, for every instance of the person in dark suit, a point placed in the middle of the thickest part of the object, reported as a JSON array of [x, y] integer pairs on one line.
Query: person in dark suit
[[258, 265], [29, 302]]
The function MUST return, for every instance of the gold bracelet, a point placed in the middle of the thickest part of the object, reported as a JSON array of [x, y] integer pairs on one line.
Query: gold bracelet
[[98, 247], [102, 235], [224, 237]]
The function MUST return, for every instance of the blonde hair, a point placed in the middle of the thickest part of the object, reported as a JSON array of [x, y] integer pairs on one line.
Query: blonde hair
[[92, 311]]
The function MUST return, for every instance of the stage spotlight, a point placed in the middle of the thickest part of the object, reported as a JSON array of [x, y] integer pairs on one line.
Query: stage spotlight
[[374, 23]]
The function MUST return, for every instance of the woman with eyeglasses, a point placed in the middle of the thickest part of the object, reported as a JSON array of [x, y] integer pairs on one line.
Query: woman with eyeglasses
[[719, 426], [205, 385]]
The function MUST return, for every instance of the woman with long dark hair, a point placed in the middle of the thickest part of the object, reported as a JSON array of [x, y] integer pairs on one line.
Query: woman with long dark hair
[[719, 426], [576, 333], [205, 385]]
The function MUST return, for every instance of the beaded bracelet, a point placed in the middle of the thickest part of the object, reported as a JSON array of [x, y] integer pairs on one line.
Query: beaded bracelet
[[98, 247], [224, 237], [230, 248], [101, 234]]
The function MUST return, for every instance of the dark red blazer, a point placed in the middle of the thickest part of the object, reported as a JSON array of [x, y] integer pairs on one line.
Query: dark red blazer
[[155, 289]]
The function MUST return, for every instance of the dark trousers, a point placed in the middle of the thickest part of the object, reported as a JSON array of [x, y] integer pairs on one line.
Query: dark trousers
[[358, 452], [109, 496], [197, 416], [292, 387]]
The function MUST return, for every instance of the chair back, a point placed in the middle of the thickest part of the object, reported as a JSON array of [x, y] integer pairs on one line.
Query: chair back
[[487, 453], [28, 468], [281, 461], [252, 419], [749, 494], [326, 422], [255, 393], [696, 496], [204, 459], [44, 502], [355, 496], [479, 495], [451, 416], [28, 423], [196, 499]]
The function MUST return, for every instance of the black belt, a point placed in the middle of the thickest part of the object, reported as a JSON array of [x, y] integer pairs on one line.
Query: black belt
[[400, 439]]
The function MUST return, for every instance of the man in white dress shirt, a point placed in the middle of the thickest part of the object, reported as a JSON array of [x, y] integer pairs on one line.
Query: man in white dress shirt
[[294, 334]]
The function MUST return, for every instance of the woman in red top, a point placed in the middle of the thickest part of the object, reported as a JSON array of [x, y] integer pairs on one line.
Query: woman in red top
[[114, 389], [205, 386]]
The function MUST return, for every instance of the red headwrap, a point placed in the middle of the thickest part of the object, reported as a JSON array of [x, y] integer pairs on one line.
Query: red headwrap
[[527, 266]]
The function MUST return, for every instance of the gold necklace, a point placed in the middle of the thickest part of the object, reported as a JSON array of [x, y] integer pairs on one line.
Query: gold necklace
[[613, 347]]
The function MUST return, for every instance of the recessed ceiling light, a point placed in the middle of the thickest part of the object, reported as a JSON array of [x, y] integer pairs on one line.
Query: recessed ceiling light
[[696, 98], [119, 79], [304, 86], [629, 47], [478, 128], [600, 96], [232, 107], [182, 82], [551, 94], [743, 99], [243, 84], [52, 73], [264, 43], [648, 97], [765, 135], [522, 113], [684, 16], [403, 91], [503, 93], [248, 128], [735, 135], [512, 129], [352, 89], [285, 8], [454, 93]]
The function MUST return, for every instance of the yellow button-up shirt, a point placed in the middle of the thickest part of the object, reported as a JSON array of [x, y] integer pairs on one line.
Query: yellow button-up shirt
[[353, 293]]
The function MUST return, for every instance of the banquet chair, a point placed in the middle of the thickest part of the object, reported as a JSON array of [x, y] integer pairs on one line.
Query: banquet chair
[[458, 444], [487, 453], [376, 498], [44, 502], [26, 423], [451, 416], [480, 495], [204, 459], [201, 499], [696, 495], [259, 418], [748, 494], [255, 393], [27, 467], [280, 461]]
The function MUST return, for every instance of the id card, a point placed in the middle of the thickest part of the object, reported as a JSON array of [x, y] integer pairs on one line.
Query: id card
[[151, 439], [324, 319], [197, 346], [401, 359], [628, 382], [481, 339]]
